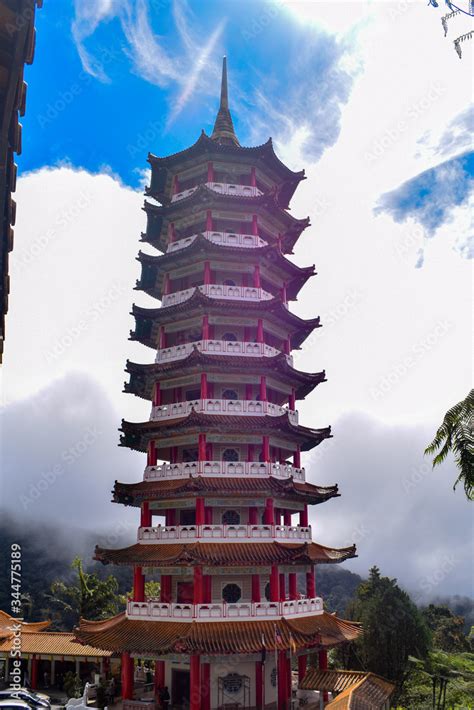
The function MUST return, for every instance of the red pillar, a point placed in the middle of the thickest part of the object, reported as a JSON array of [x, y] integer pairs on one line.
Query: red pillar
[[304, 516], [200, 519], [282, 587], [287, 517], [292, 399], [202, 447], [293, 585], [302, 662], [274, 590], [166, 285], [127, 676], [165, 588], [253, 515], [162, 338], [204, 386], [34, 672], [156, 394], [323, 665], [248, 392], [209, 221], [198, 585], [208, 515], [159, 676], [138, 585], [205, 327], [195, 683], [256, 276], [145, 515], [256, 588], [152, 455], [259, 330], [254, 225], [263, 388], [266, 448], [259, 681], [310, 584], [205, 686], [287, 346], [269, 515]]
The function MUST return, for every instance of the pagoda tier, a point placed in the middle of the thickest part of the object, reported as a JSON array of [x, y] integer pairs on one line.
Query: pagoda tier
[[255, 166], [167, 482], [261, 264], [223, 554], [199, 303], [138, 435], [144, 378], [224, 501], [217, 638], [207, 208]]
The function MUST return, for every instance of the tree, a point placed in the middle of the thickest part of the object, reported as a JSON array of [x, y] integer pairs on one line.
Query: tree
[[87, 596], [447, 629], [392, 629], [456, 435]]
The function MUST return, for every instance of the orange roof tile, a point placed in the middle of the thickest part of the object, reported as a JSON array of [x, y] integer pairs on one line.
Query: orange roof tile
[[7, 621], [226, 553], [161, 637], [52, 643], [357, 690]]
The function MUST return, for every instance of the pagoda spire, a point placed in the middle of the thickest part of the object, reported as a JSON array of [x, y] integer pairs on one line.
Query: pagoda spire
[[223, 127]]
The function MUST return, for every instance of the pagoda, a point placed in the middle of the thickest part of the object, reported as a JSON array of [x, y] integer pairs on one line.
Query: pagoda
[[224, 499]]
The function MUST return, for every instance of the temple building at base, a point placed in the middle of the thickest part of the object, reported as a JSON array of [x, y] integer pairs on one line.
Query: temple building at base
[[224, 500]]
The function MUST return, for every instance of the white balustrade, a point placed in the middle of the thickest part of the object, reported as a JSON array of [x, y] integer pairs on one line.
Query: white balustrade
[[224, 291], [218, 347], [223, 188], [226, 188], [244, 407], [240, 533], [235, 469], [153, 610], [228, 239]]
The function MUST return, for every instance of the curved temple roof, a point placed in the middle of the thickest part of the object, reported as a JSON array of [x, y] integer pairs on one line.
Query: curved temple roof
[[226, 554], [143, 377], [162, 637], [137, 434], [136, 493]]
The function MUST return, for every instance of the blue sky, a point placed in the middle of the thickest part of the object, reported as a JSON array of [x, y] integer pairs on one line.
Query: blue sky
[[384, 138]]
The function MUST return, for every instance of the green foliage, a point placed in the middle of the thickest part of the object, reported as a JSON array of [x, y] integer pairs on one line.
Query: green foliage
[[337, 586], [72, 685], [152, 591], [457, 668], [393, 629], [447, 629], [456, 435], [87, 596]]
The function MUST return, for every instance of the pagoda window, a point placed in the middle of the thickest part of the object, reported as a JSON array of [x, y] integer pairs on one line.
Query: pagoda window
[[230, 394], [190, 455], [232, 683], [231, 337], [230, 455], [192, 395], [187, 517], [231, 593], [229, 282], [231, 517]]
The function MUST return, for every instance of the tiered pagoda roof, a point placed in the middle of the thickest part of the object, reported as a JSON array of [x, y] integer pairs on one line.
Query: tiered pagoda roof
[[136, 493], [230, 554], [143, 377], [136, 435], [227, 637], [273, 310], [205, 198], [154, 267]]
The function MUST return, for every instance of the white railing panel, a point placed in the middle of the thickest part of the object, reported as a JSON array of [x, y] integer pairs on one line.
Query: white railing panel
[[236, 469], [218, 347], [244, 407]]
